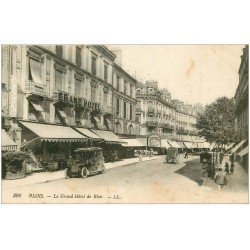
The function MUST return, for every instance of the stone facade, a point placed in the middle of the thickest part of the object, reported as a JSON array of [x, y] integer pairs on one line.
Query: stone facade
[[63, 84], [241, 99], [158, 114]]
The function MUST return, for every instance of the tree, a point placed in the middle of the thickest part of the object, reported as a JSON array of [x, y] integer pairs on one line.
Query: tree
[[216, 123]]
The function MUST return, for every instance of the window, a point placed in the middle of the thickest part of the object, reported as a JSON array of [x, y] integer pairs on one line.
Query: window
[[78, 56], [59, 50], [118, 82], [93, 93], [58, 80], [77, 87], [105, 73], [117, 107], [35, 71], [125, 87], [93, 66], [131, 112], [105, 98], [131, 90], [124, 110]]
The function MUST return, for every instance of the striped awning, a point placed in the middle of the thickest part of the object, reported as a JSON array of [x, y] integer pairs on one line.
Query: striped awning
[[238, 146], [188, 145], [165, 144], [243, 152], [7, 143], [174, 144]]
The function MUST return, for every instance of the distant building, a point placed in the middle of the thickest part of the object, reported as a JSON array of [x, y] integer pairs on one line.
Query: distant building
[[241, 103], [158, 114]]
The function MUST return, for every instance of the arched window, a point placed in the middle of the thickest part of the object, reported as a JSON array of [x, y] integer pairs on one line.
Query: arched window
[[118, 128], [131, 129]]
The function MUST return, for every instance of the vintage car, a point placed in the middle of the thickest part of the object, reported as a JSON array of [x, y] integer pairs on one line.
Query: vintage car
[[172, 155], [85, 161]]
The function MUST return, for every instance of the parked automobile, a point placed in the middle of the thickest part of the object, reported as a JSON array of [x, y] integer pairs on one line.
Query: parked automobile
[[85, 161], [172, 155]]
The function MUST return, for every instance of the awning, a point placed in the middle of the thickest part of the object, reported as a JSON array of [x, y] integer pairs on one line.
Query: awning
[[35, 72], [229, 146], [182, 145], [47, 132], [37, 107], [62, 113], [7, 143], [88, 133], [132, 143], [243, 152], [237, 146], [96, 119], [188, 145], [143, 141], [108, 121], [206, 145], [107, 135], [174, 144], [165, 144]]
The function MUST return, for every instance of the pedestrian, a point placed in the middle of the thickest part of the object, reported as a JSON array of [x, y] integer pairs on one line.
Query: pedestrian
[[232, 168], [227, 168], [140, 156], [221, 157], [220, 179], [186, 154]]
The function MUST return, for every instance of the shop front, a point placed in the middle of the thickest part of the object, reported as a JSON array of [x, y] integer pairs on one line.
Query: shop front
[[50, 145], [111, 145]]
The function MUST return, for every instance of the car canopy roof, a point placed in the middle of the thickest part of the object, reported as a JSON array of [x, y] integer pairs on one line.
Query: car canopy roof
[[87, 149]]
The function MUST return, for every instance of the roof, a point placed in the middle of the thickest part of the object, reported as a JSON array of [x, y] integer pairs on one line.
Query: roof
[[133, 143], [7, 142], [49, 132], [107, 135], [88, 133]]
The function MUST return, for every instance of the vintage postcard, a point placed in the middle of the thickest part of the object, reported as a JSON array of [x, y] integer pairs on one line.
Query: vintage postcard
[[124, 123]]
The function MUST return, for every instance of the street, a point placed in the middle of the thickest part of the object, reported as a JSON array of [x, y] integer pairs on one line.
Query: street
[[142, 182]]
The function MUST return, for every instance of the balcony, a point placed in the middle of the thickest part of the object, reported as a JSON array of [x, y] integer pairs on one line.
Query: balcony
[[167, 126], [34, 88], [151, 124]]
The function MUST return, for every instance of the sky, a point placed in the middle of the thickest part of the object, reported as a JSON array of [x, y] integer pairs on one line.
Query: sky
[[192, 73]]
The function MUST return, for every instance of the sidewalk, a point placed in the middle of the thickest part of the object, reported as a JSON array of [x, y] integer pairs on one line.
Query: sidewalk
[[238, 182], [38, 178]]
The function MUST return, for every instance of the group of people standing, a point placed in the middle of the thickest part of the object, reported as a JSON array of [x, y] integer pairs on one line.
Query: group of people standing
[[220, 177]]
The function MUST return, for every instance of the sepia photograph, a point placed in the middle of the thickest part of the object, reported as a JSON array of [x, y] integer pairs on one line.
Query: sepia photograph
[[126, 124]]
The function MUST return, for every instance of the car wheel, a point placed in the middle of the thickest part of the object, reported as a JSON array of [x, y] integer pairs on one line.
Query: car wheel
[[103, 169], [84, 172]]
